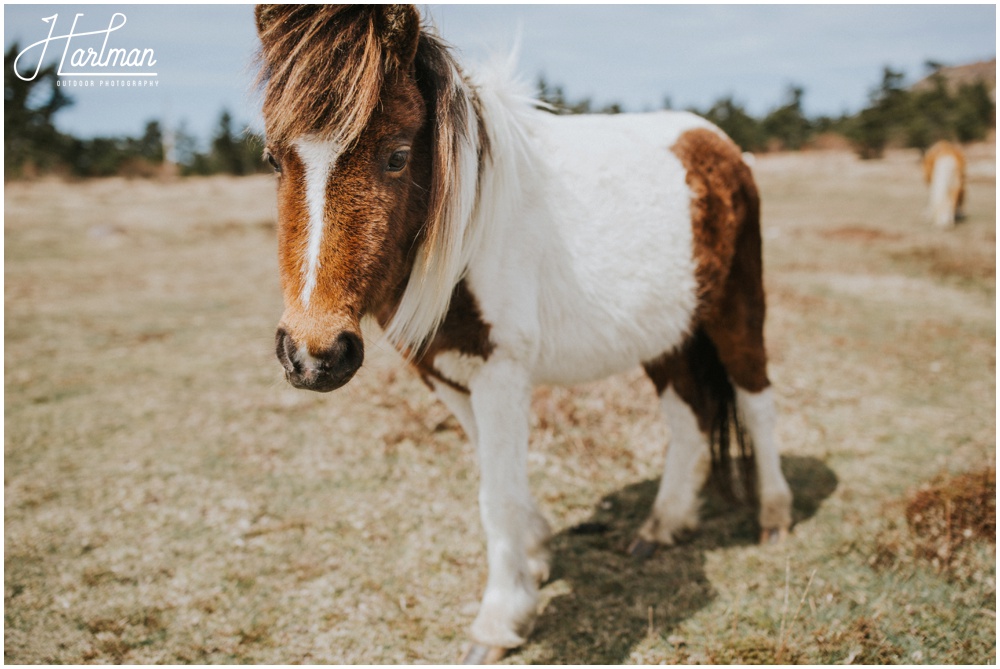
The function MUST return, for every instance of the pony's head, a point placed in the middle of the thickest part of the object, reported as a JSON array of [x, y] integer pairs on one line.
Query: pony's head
[[359, 108]]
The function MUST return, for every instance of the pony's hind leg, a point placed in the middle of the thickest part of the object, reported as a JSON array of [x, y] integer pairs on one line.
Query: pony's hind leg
[[685, 469], [722, 363], [758, 412], [735, 326], [688, 458], [740, 347]]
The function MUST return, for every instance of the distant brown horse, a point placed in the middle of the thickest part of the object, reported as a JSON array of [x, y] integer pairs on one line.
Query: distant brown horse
[[944, 172], [501, 247]]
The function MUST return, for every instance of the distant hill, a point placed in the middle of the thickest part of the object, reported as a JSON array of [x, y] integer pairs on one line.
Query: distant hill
[[956, 76]]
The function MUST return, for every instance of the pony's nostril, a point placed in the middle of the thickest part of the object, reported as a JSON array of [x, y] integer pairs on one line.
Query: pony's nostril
[[352, 350], [284, 348], [344, 357]]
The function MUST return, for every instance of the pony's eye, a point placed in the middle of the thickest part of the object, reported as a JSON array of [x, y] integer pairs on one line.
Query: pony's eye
[[273, 161], [398, 160]]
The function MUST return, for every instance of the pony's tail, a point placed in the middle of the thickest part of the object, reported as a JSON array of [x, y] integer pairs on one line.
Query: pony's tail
[[733, 470]]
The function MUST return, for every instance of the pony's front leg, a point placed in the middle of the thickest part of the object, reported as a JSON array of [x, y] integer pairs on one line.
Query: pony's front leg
[[516, 533]]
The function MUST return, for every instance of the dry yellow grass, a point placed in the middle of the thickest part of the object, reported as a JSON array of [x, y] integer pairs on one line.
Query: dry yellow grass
[[169, 499]]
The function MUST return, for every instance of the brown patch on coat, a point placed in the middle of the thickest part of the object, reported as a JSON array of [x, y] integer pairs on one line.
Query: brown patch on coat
[[462, 331], [694, 372], [725, 219], [726, 345]]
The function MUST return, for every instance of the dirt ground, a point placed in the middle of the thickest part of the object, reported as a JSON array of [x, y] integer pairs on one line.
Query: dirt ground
[[169, 499]]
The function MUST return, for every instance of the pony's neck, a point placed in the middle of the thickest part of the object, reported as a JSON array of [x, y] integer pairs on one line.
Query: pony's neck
[[505, 107], [491, 162]]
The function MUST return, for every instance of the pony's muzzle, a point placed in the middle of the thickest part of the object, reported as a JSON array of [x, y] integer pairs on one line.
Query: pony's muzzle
[[321, 371]]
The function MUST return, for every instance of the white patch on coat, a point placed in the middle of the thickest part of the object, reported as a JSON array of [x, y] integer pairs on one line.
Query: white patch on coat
[[319, 157], [586, 266]]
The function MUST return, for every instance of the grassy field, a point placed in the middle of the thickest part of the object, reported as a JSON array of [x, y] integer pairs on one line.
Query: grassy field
[[169, 499]]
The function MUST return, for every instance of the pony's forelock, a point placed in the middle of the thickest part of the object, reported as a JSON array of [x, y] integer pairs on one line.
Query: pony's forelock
[[317, 80]]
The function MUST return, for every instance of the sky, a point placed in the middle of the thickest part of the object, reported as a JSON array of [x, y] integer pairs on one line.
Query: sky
[[634, 55]]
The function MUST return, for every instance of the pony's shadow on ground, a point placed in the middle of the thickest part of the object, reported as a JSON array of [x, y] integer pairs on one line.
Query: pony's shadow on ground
[[602, 598]]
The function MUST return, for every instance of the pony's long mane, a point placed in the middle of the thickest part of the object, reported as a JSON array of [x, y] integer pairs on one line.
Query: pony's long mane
[[450, 234], [323, 69]]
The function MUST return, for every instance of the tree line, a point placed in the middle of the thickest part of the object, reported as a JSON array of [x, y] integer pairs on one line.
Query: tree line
[[33, 145], [894, 117]]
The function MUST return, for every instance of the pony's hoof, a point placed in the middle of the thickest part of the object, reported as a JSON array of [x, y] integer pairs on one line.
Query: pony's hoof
[[773, 535], [477, 653], [642, 549]]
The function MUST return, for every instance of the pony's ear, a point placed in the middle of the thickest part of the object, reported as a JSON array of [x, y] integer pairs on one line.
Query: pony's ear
[[399, 29]]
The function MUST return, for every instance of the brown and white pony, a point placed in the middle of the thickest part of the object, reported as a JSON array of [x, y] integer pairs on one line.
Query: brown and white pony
[[944, 173], [500, 247]]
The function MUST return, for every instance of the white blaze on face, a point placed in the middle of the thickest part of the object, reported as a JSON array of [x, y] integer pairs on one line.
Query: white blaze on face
[[318, 156]]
